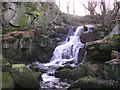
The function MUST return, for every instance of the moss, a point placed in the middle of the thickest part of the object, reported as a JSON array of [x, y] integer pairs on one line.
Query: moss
[[85, 82], [113, 37], [117, 72], [7, 80], [77, 73], [18, 65], [63, 74], [100, 50], [22, 20], [6, 66], [24, 77]]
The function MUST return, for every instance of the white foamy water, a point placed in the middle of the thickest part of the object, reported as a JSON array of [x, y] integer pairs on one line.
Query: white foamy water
[[66, 53]]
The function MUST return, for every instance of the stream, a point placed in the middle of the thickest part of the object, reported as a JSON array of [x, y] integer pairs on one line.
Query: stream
[[64, 54]]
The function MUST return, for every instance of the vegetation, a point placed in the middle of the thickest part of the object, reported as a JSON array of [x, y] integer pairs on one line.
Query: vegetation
[[31, 31]]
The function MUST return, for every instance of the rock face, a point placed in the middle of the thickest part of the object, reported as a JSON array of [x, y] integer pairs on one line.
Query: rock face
[[24, 77], [38, 47], [7, 81], [90, 36], [101, 50], [74, 74]]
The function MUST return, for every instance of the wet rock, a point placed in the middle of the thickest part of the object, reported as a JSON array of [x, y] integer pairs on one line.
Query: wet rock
[[91, 82], [36, 66], [24, 77], [56, 86], [63, 74], [7, 81], [47, 85], [73, 74], [58, 40], [85, 82]]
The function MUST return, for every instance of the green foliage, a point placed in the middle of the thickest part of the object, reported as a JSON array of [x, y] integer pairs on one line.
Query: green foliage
[[36, 13], [5, 30], [30, 6]]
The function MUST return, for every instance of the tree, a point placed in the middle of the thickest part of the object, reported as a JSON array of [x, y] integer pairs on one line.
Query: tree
[[68, 4], [107, 16]]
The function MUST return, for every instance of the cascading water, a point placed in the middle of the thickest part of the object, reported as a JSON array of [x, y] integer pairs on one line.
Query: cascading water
[[66, 53]]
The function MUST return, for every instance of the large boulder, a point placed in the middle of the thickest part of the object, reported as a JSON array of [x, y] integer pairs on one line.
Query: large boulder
[[85, 82], [9, 13], [24, 77], [20, 18], [7, 81], [74, 74], [91, 82], [100, 50]]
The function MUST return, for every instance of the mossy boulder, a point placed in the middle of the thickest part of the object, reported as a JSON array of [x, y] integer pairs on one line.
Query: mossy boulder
[[77, 73], [85, 82], [74, 74], [100, 50], [7, 81], [24, 77], [92, 82], [63, 74]]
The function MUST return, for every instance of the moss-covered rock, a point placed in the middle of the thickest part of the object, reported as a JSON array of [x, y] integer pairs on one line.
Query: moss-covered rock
[[100, 50], [24, 77], [91, 82], [7, 80], [77, 73], [85, 82], [63, 74], [74, 74]]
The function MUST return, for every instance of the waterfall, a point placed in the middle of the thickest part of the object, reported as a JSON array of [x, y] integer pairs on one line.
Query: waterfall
[[66, 53]]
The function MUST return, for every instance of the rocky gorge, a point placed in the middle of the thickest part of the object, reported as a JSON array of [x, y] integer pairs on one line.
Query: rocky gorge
[[30, 35]]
